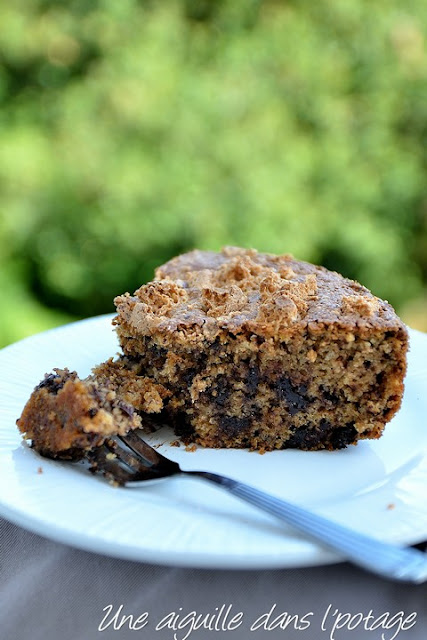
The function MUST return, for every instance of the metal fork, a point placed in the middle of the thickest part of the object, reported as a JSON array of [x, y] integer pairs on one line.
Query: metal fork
[[129, 461]]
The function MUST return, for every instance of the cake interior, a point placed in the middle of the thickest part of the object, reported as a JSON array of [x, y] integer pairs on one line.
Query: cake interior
[[309, 391]]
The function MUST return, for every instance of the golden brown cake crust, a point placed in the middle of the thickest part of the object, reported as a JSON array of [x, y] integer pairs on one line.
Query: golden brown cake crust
[[201, 294]]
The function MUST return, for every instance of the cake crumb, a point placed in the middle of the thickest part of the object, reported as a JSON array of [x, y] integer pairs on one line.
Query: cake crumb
[[311, 355], [365, 306], [191, 448], [40, 470], [391, 506], [175, 443]]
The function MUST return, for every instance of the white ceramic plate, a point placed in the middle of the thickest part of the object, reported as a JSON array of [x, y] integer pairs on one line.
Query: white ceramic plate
[[376, 487]]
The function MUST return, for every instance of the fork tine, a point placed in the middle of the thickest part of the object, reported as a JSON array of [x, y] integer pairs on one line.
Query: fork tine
[[134, 463], [109, 460], [144, 450], [109, 467]]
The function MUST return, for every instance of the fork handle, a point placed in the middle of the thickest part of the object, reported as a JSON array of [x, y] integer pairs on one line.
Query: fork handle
[[399, 563]]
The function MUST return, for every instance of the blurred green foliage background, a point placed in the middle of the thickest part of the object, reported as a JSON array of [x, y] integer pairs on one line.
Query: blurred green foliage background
[[131, 130]]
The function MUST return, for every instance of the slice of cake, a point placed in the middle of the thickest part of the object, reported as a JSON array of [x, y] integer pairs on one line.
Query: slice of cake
[[234, 349], [265, 351]]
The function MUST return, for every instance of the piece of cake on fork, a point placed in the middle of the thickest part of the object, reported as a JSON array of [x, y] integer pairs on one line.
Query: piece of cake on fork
[[66, 417]]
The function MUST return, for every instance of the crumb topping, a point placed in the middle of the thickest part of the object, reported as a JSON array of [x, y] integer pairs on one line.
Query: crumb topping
[[202, 293], [357, 304]]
